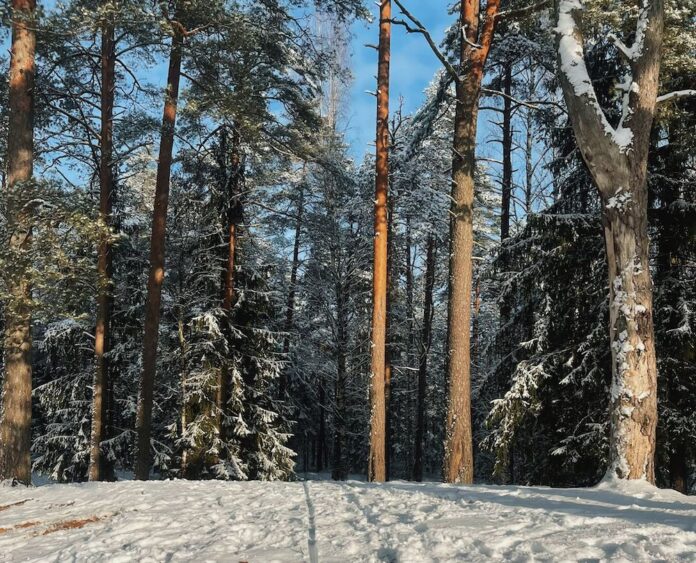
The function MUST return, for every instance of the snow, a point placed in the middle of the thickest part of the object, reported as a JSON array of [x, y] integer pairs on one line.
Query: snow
[[352, 521]]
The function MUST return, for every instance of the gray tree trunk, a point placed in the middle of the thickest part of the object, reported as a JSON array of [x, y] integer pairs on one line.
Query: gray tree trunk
[[617, 160]]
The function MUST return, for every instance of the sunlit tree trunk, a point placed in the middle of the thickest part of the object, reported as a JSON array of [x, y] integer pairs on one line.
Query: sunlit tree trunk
[[156, 277], [15, 428], [459, 457], [377, 460], [617, 160], [102, 336]]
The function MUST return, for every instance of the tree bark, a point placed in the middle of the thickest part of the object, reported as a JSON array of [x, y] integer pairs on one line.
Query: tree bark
[[459, 458], [157, 250], [15, 428], [412, 355], [339, 471], [321, 437], [619, 169], [634, 370], [102, 343], [505, 305], [377, 459], [507, 153], [234, 218], [290, 308], [423, 360]]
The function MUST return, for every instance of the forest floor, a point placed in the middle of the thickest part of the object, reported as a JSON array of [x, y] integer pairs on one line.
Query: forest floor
[[319, 520]]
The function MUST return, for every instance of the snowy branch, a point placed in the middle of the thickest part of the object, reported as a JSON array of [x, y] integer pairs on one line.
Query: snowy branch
[[675, 95], [522, 12], [528, 104]]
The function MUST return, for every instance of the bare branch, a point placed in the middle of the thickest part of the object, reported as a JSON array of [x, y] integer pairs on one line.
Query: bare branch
[[420, 28]]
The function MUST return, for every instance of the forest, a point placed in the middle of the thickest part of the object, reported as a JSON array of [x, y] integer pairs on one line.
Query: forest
[[199, 280]]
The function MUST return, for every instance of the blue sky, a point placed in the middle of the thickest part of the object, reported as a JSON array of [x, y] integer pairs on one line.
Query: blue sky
[[412, 67]]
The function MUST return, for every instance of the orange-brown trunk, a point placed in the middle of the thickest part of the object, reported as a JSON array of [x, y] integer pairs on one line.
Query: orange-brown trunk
[[377, 459], [156, 276], [459, 457], [15, 428], [104, 265]]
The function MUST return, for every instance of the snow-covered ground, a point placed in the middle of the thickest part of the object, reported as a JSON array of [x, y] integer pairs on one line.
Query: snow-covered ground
[[353, 521]]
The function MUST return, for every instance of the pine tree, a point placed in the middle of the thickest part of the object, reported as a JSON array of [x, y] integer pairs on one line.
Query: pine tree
[[15, 426], [377, 466]]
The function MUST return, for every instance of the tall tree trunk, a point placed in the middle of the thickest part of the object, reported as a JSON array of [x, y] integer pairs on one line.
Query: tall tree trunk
[[290, 308], [476, 322], [390, 397], [634, 389], [412, 385], [102, 343], [234, 218], [617, 160], [377, 470], [529, 147], [15, 428], [507, 153], [321, 437], [339, 471], [423, 361], [505, 305], [157, 247], [185, 408], [459, 458]]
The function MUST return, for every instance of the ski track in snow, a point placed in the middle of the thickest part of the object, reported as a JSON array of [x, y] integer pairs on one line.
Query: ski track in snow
[[324, 521]]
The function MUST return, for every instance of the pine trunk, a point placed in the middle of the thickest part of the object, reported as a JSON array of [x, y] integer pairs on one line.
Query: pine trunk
[[234, 218], [377, 459], [15, 428], [100, 402], [156, 276], [290, 308], [411, 386], [321, 437], [507, 154], [339, 471], [459, 457], [423, 361], [459, 461]]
